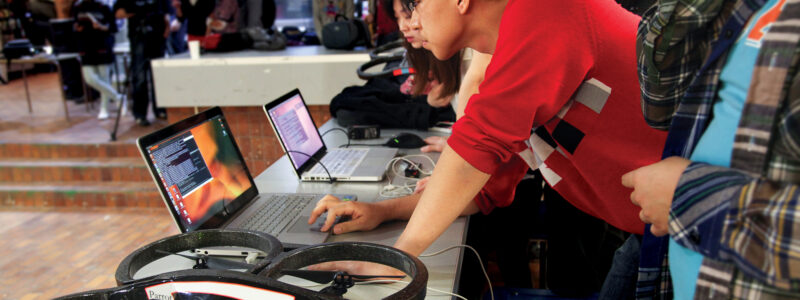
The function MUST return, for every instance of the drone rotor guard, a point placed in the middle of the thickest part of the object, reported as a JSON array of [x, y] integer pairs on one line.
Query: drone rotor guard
[[358, 251], [265, 243]]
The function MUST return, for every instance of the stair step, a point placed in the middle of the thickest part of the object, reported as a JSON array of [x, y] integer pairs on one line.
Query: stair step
[[115, 149], [74, 169], [80, 194]]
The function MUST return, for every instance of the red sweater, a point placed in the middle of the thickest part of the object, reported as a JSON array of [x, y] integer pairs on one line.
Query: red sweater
[[565, 99]]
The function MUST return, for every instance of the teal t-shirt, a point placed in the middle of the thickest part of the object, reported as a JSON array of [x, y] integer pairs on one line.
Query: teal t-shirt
[[716, 144]]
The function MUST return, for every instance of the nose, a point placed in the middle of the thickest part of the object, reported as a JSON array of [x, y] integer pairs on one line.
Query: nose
[[414, 22]]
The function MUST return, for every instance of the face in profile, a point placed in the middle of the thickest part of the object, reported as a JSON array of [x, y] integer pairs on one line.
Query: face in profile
[[410, 30], [439, 26]]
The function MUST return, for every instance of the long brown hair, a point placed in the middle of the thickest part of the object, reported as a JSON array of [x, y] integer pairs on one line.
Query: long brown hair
[[427, 67]]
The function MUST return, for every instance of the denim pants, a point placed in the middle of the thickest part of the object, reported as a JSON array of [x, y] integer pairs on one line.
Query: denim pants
[[620, 282]]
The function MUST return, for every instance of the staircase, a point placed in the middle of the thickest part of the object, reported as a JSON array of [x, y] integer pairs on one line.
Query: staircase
[[75, 175]]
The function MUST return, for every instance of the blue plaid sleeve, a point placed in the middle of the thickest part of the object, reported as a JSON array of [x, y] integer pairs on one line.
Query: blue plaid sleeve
[[701, 204]]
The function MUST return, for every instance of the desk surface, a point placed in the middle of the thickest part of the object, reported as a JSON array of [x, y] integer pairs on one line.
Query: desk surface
[[443, 269], [252, 78]]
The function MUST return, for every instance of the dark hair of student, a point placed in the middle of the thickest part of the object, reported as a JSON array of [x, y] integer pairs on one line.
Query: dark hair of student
[[447, 72]]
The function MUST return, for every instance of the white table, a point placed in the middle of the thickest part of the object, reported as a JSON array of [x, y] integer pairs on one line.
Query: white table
[[253, 78]]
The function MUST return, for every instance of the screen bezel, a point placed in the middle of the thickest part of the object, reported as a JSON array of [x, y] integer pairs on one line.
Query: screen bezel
[[317, 156], [163, 134]]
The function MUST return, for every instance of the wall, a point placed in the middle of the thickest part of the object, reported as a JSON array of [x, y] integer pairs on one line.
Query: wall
[[252, 132]]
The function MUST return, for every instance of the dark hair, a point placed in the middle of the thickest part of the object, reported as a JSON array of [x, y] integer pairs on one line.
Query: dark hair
[[447, 72], [427, 68]]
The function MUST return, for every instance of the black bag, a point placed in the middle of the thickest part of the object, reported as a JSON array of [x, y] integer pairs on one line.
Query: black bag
[[380, 102], [345, 34], [18, 48]]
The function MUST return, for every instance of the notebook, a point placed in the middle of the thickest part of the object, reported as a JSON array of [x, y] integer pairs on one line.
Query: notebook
[[303, 145], [205, 183]]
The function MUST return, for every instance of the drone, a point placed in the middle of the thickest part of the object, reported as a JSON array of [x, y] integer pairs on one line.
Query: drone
[[192, 275]]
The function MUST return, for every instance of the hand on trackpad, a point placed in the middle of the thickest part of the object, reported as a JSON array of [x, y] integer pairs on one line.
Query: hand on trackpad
[[317, 225]]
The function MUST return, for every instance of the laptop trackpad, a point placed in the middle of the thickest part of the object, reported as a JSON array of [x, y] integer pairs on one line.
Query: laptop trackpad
[[300, 225]]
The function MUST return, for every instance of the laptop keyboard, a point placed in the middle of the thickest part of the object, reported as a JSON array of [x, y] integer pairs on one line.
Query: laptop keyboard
[[339, 162], [279, 210]]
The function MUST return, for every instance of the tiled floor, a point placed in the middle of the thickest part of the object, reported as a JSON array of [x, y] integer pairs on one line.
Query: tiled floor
[[48, 124], [47, 253]]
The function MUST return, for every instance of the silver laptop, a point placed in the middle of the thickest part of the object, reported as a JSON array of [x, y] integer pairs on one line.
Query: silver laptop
[[205, 183], [303, 144]]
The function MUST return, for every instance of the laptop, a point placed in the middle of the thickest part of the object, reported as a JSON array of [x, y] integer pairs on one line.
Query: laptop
[[303, 144], [205, 183]]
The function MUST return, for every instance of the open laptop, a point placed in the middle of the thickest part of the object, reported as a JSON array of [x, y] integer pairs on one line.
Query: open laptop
[[303, 144], [205, 183]]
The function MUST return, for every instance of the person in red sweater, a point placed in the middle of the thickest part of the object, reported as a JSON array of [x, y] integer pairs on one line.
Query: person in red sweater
[[563, 99]]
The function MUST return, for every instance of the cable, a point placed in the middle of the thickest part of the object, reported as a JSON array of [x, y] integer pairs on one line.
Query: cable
[[491, 291], [316, 160], [406, 282], [390, 190], [342, 130]]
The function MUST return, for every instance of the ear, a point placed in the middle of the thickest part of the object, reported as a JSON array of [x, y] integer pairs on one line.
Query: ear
[[463, 6]]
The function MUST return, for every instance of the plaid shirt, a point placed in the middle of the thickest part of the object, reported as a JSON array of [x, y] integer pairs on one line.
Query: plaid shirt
[[744, 219]]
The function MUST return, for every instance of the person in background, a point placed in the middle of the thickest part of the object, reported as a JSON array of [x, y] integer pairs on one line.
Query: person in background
[[148, 28], [722, 77], [194, 13], [95, 26], [382, 23]]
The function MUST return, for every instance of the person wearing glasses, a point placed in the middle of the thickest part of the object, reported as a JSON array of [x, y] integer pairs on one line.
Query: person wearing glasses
[[564, 99]]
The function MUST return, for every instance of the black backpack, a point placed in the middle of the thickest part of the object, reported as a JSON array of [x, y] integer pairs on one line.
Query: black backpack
[[345, 34], [18, 48]]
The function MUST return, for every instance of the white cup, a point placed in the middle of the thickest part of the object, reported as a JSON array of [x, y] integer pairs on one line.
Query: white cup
[[194, 49]]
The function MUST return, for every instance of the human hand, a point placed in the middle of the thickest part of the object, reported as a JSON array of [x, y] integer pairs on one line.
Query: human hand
[[653, 187], [421, 185], [435, 97], [363, 216], [435, 144], [359, 268]]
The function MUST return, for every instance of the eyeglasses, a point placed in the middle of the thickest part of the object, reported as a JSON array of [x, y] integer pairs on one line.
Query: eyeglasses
[[411, 5]]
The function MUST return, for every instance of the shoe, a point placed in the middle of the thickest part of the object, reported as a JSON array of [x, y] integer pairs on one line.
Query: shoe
[[102, 115], [142, 122]]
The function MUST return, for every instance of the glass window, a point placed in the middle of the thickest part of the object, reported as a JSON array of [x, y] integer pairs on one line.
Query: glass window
[[293, 13]]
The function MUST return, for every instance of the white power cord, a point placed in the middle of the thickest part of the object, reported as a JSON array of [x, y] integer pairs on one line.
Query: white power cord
[[392, 191], [491, 291]]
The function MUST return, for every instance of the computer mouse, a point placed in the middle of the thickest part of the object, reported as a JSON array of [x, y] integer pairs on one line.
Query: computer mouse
[[405, 140]]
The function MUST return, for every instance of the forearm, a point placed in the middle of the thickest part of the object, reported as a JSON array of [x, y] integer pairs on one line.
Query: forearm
[[451, 189]]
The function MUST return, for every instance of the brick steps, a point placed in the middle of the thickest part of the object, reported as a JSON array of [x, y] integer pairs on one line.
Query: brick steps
[[75, 175], [80, 194], [49, 151], [27, 170]]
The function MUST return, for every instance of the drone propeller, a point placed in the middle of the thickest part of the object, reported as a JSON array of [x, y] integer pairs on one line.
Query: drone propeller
[[207, 261], [328, 276]]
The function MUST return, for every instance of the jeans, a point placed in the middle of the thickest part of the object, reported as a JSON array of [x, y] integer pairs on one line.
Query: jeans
[[97, 77], [620, 282]]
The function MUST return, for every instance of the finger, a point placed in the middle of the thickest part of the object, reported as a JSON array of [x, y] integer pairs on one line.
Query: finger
[[425, 149], [331, 219], [635, 198], [627, 179], [658, 230], [322, 206], [348, 226]]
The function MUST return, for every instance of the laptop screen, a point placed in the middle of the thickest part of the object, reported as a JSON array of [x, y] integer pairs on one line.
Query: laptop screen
[[201, 170], [295, 129]]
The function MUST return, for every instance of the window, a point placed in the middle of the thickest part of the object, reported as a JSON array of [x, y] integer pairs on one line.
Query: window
[[293, 13]]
